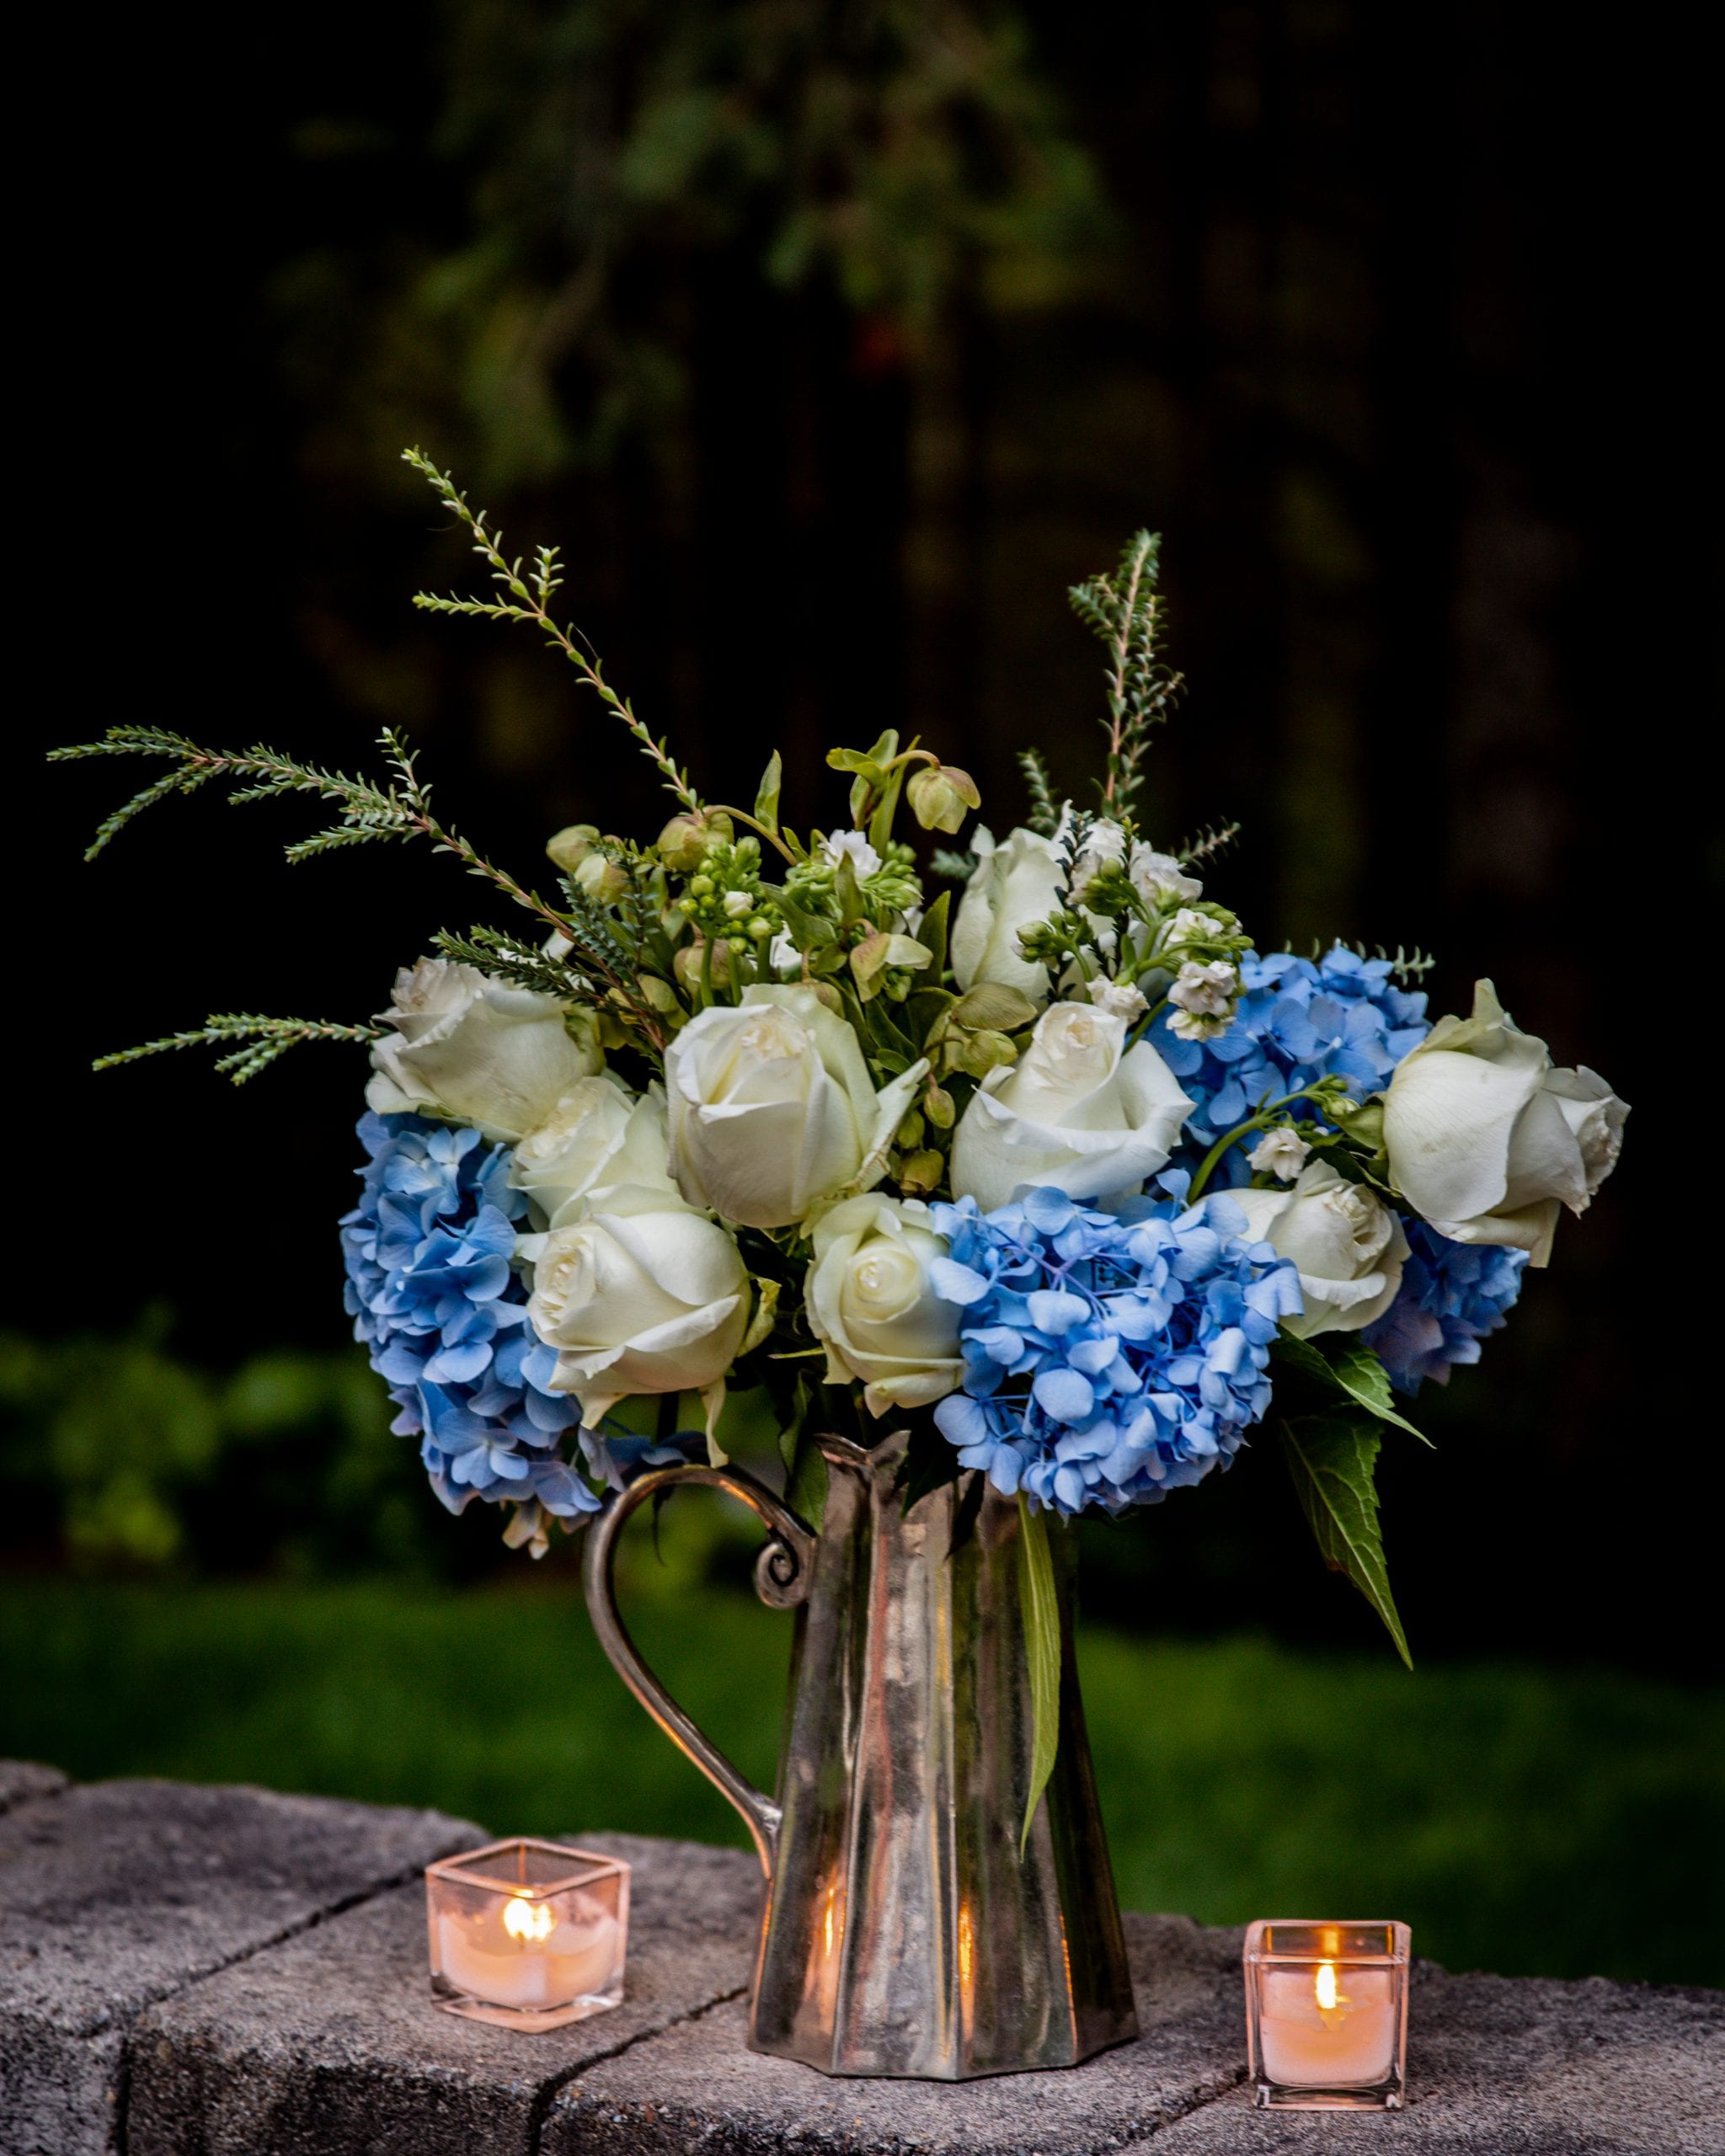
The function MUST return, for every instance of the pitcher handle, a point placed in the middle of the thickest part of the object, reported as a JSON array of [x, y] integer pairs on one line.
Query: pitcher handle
[[781, 1574]]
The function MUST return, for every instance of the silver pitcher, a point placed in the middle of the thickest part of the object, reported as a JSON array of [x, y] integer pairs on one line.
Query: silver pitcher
[[902, 1933]]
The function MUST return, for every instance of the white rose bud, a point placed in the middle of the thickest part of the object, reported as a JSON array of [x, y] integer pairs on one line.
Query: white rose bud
[[871, 1304], [1346, 1243], [1014, 885], [772, 1108], [644, 1295], [464, 1045], [1487, 1138], [1278, 1153], [598, 1136], [1079, 1111], [1156, 876]]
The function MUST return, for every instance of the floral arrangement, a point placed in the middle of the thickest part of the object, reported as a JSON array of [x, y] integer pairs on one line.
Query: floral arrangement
[[1057, 1153]]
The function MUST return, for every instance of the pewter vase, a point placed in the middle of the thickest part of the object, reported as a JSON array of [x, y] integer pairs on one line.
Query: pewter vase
[[903, 1934]]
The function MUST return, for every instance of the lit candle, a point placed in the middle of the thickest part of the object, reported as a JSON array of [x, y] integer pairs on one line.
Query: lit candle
[[1327, 2028], [522, 1954], [527, 1933], [1327, 2013]]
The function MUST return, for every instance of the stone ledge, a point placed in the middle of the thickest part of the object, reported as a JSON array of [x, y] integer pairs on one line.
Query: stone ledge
[[189, 1971], [119, 1894], [22, 1781]]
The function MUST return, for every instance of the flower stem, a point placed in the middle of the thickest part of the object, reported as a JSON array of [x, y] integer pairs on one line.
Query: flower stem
[[1207, 1166]]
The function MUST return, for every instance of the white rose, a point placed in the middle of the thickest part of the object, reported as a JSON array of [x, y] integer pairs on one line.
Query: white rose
[[643, 1296], [871, 1304], [772, 1108], [1158, 875], [599, 1135], [1015, 884], [1346, 1243], [470, 1047], [1075, 1111], [1487, 1138], [1278, 1153]]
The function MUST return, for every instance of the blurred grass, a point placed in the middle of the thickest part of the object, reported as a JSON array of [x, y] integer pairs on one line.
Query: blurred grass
[[1522, 1819]]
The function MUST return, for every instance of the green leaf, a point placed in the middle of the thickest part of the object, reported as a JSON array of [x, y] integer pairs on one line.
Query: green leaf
[[1353, 1371], [809, 929], [932, 930], [1331, 1458], [765, 1310], [993, 1007], [1042, 1650], [766, 800]]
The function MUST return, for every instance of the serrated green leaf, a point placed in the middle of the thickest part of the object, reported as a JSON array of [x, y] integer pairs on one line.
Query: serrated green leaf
[[1330, 1459], [1353, 1371], [767, 800], [1042, 1650]]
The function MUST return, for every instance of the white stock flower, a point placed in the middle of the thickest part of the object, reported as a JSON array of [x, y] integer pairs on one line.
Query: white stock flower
[[772, 1108], [1119, 998], [871, 1304], [643, 1296], [1075, 1111], [599, 1135], [1015, 884], [1278, 1153], [1158, 875], [1346, 1243], [854, 846], [783, 954], [1188, 926], [1104, 845], [1206, 990], [1487, 1138], [472, 1047]]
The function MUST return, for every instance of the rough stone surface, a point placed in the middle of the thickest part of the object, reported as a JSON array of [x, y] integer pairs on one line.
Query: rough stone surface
[[194, 1971], [330, 2042], [1501, 2066], [22, 1780], [699, 2088], [117, 1894]]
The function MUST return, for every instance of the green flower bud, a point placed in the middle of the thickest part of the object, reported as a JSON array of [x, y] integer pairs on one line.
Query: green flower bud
[[938, 1106], [603, 881], [920, 1173], [571, 846], [684, 842], [941, 796]]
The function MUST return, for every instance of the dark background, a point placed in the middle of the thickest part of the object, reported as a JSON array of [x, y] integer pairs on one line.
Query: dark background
[[832, 343]]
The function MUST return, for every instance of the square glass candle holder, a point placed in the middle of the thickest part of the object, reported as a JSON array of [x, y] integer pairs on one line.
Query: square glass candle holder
[[527, 1933], [1327, 2016]]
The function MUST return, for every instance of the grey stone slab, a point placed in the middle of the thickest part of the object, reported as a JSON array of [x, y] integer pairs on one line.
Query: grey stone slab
[[330, 2043], [1501, 2066], [23, 1780], [118, 1894], [698, 2087]]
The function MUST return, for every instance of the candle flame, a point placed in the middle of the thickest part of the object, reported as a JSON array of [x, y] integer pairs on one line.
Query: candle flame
[[525, 1920], [1325, 1985]]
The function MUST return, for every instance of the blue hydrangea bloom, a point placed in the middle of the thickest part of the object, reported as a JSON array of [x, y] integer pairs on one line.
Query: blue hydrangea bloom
[[1296, 1020], [1452, 1295], [1106, 1361], [436, 1300]]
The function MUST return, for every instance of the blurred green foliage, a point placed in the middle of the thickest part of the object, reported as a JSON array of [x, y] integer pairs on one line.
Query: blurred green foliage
[[1523, 1819], [118, 1454], [612, 159]]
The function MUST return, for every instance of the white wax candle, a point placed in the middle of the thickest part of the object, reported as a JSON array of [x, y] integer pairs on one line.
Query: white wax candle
[[575, 1961], [1308, 2045]]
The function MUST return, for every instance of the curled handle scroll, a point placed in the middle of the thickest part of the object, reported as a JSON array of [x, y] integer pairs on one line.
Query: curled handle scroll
[[781, 1573]]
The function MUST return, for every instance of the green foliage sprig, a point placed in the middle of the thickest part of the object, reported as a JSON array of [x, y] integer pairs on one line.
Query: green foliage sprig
[[262, 1040], [1122, 610]]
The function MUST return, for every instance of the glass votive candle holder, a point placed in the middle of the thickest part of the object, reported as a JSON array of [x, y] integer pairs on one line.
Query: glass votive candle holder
[[527, 1933], [1327, 2014]]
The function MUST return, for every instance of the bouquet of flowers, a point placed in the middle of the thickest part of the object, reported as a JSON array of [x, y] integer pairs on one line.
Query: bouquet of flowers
[[1057, 1153]]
